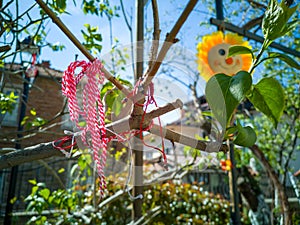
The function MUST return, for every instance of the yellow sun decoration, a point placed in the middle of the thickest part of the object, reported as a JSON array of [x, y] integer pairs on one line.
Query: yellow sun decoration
[[212, 55]]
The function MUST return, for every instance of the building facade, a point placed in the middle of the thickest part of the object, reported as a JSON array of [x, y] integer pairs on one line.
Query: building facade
[[41, 124]]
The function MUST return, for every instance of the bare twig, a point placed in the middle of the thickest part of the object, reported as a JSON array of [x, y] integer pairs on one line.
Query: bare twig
[[169, 41], [53, 173], [125, 17], [130, 31], [38, 129], [253, 23], [7, 4], [5, 48], [256, 4], [186, 140], [285, 207], [165, 109], [156, 34]]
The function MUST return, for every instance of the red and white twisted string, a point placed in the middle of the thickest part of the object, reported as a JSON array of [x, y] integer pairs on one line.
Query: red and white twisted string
[[92, 110]]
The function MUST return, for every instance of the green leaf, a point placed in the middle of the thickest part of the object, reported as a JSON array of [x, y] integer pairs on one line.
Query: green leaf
[[41, 184], [24, 120], [32, 182], [207, 113], [117, 104], [61, 170], [289, 27], [239, 50], [288, 11], [45, 193], [33, 111], [13, 200], [61, 5], [290, 61], [50, 199], [224, 93], [34, 190], [230, 131], [268, 97], [275, 22], [246, 136]]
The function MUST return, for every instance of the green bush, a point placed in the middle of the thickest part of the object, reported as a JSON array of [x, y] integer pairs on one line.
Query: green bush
[[185, 204], [166, 203]]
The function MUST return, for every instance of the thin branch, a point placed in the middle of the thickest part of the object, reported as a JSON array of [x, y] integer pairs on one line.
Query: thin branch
[[188, 141], [5, 48], [256, 4], [156, 34], [7, 4], [125, 17], [285, 207], [147, 218], [252, 23], [38, 129], [11, 23], [169, 41], [26, 12], [30, 133], [131, 34], [165, 109], [53, 173]]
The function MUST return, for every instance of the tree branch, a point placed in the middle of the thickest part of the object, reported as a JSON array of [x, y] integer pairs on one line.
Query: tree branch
[[53, 173], [156, 34], [130, 31], [285, 206], [46, 150], [253, 23], [5, 48], [36, 152], [256, 4]]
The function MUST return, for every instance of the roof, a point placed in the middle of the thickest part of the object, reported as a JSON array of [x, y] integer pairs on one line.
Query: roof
[[43, 68]]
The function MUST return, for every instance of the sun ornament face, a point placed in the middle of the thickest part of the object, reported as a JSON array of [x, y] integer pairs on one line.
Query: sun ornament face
[[212, 55]]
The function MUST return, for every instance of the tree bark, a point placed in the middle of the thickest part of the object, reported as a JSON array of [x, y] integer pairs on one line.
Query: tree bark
[[285, 206]]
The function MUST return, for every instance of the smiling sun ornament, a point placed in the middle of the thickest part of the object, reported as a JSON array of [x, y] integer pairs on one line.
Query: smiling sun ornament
[[212, 55]]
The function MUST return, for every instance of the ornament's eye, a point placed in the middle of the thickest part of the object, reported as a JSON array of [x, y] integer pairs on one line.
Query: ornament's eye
[[222, 51]]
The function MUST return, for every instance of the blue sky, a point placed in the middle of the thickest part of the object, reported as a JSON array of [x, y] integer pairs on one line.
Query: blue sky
[[75, 21]]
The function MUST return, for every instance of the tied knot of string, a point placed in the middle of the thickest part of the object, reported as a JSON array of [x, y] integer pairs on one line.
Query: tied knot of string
[[149, 94], [92, 110], [151, 100]]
